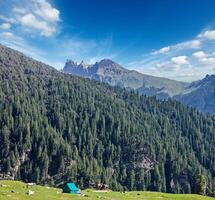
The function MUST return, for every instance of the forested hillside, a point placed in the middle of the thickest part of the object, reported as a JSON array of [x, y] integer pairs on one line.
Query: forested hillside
[[55, 127]]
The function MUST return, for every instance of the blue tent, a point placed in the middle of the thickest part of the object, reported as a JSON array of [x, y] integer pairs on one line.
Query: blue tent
[[71, 188]]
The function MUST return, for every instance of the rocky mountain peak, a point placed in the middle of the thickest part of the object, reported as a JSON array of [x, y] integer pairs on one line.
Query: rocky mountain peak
[[108, 63], [83, 64], [209, 79], [71, 62]]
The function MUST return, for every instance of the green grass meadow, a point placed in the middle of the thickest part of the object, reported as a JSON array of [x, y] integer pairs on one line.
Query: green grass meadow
[[15, 190]]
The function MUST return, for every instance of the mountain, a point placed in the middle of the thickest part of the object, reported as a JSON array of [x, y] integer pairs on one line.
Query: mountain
[[200, 95], [56, 127], [112, 73]]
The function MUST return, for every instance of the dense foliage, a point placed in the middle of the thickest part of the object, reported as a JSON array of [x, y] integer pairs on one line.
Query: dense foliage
[[55, 127]]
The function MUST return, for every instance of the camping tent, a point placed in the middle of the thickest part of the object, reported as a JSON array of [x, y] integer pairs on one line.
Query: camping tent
[[71, 188]]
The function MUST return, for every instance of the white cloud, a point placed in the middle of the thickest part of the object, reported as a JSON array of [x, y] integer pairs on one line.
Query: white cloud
[[34, 16], [30, 21], [187, 73], [208, 61], [173, 65], [168, 66], [5, 26], [205, 59], [7, 35], [7, 19], [42, 17], [199, 54], [162, 50], [209, 34], [180, 60], [19, 10], [192, 44], [46, 11]]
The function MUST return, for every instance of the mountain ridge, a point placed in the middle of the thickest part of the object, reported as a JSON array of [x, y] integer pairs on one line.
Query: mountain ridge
[[114, 74], [198, 94]]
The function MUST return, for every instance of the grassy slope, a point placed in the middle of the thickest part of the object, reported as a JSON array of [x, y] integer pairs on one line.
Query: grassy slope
[[15, 190]]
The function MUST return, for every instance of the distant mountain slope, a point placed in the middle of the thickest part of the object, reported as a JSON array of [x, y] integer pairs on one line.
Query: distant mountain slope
[[200, 95], [112, 73]]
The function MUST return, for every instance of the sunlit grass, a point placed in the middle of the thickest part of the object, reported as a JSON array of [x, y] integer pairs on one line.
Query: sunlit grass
[[15, 190]]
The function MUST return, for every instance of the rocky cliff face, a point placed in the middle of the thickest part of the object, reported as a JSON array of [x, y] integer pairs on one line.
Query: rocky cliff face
[[72, 67]]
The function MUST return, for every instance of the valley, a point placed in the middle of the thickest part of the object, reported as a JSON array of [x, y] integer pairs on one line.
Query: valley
[[57, 127]]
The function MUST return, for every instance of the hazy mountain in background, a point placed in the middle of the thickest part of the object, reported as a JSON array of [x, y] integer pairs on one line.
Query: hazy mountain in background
[[199, 94], [112, 73]]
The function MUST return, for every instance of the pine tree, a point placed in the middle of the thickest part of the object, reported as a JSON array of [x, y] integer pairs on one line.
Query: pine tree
[[201, 185]]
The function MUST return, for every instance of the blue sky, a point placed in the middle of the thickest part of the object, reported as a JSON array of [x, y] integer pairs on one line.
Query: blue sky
[[167, 38]]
